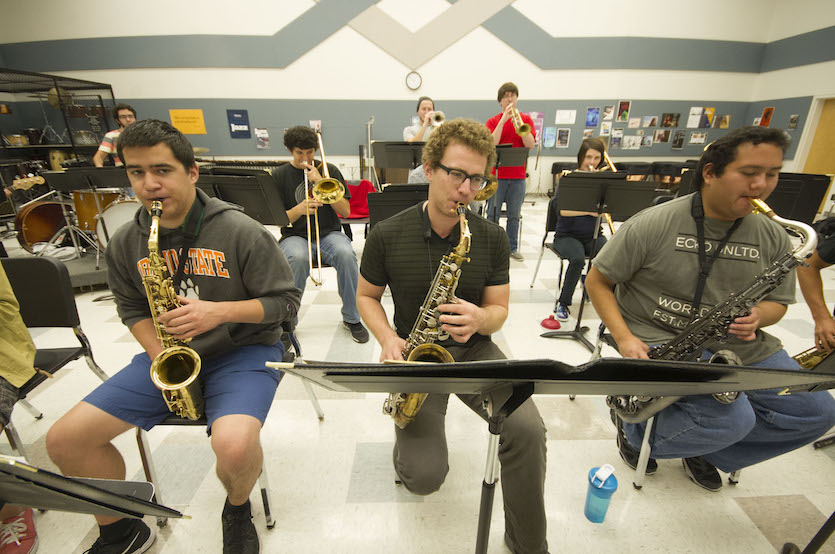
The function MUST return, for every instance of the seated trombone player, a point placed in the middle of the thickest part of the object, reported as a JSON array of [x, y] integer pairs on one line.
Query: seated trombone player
[[315, 231], [232, 316], [404, 253], [656, 259]]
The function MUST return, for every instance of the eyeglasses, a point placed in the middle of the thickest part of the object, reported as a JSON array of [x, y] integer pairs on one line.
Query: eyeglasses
[[457, 177]]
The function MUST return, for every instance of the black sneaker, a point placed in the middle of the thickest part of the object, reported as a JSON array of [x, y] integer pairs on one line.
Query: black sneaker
[[702, 473], [358, 332], [139, 540], [239, 535], [629, 454]]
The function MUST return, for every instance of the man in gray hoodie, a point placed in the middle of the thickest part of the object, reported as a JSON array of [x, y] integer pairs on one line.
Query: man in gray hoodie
[[235, 289]]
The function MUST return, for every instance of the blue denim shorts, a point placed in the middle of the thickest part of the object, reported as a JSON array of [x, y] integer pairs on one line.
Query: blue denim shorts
[[237, 382]]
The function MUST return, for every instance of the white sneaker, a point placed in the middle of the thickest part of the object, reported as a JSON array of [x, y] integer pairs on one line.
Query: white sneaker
[[517, 256]]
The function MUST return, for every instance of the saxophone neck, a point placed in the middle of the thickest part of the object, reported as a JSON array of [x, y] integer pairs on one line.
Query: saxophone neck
[[808, 237], [463, 246], [153, 234]]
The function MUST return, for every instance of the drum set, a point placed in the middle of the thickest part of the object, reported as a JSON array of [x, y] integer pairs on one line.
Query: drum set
[[92, 216]]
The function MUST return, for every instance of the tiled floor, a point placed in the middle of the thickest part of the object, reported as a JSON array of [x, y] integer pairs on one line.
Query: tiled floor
[[332, 481]]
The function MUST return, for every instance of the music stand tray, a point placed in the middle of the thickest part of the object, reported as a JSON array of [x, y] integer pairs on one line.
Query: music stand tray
[[108, 177], [508, 156], [391, 154], [506, 384], [256, 194], [27, 485]]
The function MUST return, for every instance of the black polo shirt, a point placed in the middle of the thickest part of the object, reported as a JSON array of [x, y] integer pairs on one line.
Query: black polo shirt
[[290, 183], [404, 252]]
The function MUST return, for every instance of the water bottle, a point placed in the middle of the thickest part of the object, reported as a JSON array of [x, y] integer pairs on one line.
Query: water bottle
[[602, 485]]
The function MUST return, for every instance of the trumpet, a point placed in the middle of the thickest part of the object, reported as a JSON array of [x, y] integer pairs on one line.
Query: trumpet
[[522, 128], [326, 191], [438, 118]]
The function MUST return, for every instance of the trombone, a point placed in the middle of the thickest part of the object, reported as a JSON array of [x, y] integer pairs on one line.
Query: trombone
[[522, 128], [326, 191]]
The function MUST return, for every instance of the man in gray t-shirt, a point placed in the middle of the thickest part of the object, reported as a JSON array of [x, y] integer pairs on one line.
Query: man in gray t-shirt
[[643, 284]]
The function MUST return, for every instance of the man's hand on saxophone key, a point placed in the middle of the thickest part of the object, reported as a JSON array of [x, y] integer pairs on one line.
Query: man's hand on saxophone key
[[461, 320], [194, 317]]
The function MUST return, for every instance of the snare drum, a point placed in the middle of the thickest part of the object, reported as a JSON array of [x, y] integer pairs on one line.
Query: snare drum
[[85, 205], [38, 222], [120, 212]]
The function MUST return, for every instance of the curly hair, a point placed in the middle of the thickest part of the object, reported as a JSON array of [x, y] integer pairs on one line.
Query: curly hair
[[150, 132], [590, 144], [466, 132], [723, 151], [300, 137]]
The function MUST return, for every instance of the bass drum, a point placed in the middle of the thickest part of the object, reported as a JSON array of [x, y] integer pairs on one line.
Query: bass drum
[[120, 212], [38, 222], [85, 205]]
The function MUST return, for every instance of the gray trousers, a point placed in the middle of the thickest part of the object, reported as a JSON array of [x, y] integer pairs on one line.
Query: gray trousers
[[421, 456]]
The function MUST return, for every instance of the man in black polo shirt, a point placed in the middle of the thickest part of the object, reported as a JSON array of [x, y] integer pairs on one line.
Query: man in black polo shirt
[[336, 247], [403, 253]]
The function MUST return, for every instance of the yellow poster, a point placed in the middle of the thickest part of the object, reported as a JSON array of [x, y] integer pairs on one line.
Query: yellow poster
[[188, 122]]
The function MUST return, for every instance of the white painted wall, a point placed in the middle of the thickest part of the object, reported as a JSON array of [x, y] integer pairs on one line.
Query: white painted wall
[[472, 68]]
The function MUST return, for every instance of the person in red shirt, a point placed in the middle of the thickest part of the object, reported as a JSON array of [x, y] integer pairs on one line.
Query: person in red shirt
[[512, 186]]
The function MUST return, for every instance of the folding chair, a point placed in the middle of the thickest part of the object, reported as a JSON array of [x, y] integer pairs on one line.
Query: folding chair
[[149, 467], [44, 291], [548, 243]]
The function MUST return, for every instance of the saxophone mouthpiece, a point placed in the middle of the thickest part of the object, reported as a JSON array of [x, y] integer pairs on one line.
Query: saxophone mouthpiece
[[156, 208]]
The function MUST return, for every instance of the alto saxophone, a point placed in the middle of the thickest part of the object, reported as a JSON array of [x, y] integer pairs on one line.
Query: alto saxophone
[[427, 330], [713, 326], [174, 371]]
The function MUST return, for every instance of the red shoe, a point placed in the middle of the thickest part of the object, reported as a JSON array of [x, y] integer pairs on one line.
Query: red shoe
[[17, 534]]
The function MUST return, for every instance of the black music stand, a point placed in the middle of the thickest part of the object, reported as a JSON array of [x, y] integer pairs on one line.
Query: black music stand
[[25, 485], [256, 194], [599, 192], [506, 156], [506, 384], [66, 182], [393, 200], [396, 155]]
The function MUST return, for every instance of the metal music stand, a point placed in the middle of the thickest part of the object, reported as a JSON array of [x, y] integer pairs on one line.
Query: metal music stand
[[506, 384], [507, 156], [396, 154], [393, 200], [26, 485], [65, 182], [587, 192], [256, 194]]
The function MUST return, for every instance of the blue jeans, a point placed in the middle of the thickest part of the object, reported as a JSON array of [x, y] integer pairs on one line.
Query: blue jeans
[[336, 252], [511, 191], [574, 251], [758, 426]]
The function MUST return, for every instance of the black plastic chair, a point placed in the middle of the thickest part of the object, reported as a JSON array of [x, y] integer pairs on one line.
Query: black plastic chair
[[44, 291]]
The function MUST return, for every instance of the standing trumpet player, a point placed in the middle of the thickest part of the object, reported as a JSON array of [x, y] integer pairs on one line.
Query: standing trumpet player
[[646, 286], [514, 128], [294, 180], [219, 258], [403, 253]]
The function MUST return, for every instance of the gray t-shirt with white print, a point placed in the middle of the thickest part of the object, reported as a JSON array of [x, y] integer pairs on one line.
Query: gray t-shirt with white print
[[654, 261]]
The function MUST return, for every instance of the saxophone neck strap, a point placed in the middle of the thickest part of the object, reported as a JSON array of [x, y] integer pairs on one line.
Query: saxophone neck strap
[[191, 228], [705, 262]]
